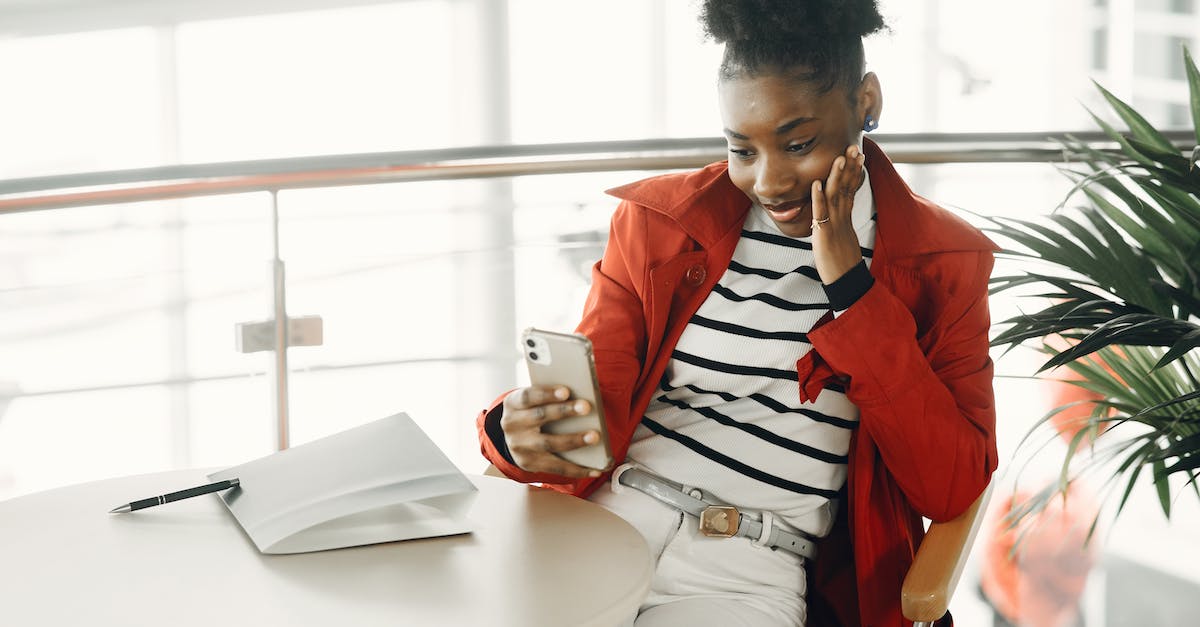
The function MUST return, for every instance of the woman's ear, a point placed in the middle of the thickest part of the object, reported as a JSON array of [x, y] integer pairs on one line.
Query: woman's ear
[[869, 101]]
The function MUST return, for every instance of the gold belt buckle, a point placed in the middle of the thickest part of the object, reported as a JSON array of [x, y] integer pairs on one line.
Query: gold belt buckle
[[718, 521]]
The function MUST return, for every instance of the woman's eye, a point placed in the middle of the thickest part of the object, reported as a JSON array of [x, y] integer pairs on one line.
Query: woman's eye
[[801, 147], [741, 153]]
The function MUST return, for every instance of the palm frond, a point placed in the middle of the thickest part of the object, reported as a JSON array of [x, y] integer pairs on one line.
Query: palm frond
[[1118, 280]]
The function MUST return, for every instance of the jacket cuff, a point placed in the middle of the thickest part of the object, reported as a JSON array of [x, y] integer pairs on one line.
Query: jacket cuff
[[850, 287], [491, 426]]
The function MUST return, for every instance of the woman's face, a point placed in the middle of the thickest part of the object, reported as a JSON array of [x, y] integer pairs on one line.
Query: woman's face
[[783, 134]]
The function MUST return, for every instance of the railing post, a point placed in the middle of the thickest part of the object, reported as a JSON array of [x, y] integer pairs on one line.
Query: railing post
[[280, 319], [278, 333]]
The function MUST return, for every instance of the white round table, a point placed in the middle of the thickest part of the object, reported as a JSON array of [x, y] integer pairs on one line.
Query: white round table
[[536, 558]]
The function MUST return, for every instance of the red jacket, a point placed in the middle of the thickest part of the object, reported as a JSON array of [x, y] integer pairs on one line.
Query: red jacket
[[914, 350]]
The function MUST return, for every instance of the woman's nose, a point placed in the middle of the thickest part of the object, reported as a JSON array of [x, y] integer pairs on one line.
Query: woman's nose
[[773, 181]]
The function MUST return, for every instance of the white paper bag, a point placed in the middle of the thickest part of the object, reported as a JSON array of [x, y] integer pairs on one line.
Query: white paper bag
[[379, 482]]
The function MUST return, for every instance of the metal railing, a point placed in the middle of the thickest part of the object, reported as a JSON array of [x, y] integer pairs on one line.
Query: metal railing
[[271, 175]]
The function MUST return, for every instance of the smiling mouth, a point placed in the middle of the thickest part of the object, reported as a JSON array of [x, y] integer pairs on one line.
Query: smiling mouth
[[788, 211]]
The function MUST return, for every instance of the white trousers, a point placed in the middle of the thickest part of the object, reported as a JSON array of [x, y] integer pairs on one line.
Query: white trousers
[[708, 581]]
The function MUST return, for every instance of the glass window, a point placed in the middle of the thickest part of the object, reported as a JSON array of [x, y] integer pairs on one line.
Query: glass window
[[365, 79], [80, 102], [581, 71], [1160, 56], [1174, 6], [1153, 109], [1183, 6], [60, 439], [1176, 69], [104, 303], [1100, 49], [1179, 116]]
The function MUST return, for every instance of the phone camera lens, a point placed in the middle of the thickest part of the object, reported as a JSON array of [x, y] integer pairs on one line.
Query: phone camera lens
[[529, 343], [533, 356]]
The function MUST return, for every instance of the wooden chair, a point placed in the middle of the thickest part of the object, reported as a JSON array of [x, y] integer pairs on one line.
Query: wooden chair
[[925, 595]]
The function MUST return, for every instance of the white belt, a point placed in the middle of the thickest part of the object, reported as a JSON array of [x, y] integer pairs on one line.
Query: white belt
[[716, 520]]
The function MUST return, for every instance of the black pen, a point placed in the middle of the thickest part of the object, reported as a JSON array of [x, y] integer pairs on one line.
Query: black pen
[[175, 496]]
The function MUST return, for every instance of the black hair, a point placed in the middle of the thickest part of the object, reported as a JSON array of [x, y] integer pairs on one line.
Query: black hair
[[817, 41]]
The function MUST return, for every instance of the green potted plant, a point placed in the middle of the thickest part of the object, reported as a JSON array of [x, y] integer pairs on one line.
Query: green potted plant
[[1120, 275]]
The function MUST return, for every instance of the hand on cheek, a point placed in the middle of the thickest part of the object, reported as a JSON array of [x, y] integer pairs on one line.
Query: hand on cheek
[[835, 244]]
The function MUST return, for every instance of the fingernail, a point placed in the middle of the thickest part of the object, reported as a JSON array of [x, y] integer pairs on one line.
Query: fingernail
[[591, 437], [562, 393], [594, 473], [819, 186], [580, 406]]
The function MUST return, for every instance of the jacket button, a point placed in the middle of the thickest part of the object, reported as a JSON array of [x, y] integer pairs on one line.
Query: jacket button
[[695, 275]]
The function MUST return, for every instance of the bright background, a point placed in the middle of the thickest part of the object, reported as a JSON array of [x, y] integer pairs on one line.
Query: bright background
[[116, 323]]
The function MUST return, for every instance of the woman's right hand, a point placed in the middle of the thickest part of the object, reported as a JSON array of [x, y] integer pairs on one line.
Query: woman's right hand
[[526, 410]]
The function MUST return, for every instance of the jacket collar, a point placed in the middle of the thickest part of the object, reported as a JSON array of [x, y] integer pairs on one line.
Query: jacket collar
[[707, 205], [909, 225], [704, 202]]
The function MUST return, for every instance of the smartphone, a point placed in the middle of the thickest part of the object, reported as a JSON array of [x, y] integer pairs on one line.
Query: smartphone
[[566, 359]]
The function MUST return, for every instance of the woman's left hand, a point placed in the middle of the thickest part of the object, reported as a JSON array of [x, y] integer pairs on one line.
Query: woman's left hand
[[835, 244]]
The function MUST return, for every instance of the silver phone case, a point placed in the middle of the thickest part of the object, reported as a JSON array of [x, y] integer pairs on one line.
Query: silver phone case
[[570, 362]]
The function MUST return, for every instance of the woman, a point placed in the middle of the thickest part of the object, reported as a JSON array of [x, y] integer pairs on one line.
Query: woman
[[792, 332]]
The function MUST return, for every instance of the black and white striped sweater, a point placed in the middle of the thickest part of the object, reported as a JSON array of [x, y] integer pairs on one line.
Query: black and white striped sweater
[[727, 416]]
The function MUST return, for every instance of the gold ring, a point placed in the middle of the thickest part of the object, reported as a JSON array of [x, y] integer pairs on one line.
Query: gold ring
[[821, 221]]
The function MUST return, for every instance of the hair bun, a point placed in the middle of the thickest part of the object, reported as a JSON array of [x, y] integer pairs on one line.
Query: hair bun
[[789, 20]]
